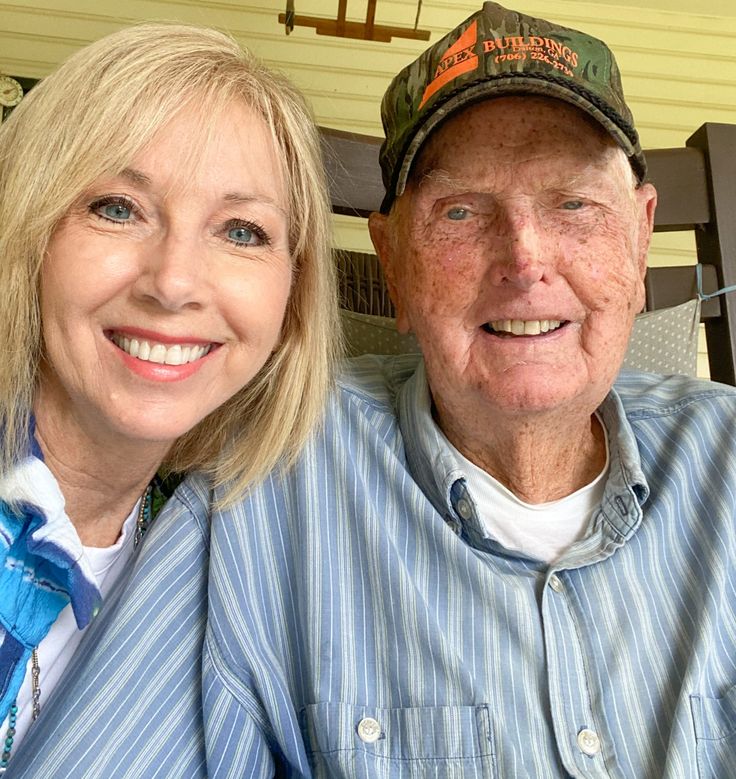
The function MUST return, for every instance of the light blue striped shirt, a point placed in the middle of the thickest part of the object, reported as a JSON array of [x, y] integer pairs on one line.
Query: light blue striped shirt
[[355, 622]]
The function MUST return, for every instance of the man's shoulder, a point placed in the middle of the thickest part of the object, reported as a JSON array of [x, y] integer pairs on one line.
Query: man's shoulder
[[361, 418], [375, 380], [652, 395]]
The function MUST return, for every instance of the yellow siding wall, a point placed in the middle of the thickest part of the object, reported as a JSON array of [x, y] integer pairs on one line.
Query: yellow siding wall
[[678, 64]]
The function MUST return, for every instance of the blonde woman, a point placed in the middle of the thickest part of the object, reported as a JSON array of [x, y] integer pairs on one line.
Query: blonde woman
[[166, 303]]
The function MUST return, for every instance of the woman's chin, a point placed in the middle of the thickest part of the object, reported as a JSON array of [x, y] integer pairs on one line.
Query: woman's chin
[[152, 428]]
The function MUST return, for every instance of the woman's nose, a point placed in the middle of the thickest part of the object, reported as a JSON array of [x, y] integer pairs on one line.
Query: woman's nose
[[172, 273]]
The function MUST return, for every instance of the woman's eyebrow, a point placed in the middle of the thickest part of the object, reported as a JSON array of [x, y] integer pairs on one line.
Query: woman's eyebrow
[[240, 197], [139, 178], [136, 177]]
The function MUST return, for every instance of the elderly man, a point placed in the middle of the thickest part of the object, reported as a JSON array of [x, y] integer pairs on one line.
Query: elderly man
[[489, 563]]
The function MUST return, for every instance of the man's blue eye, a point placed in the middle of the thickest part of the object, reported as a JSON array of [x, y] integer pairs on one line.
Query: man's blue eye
[[572, 205], [457, 213], [241, 235]]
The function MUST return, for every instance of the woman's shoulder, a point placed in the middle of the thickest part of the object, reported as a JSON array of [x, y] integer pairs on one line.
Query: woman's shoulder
[[187, 506]]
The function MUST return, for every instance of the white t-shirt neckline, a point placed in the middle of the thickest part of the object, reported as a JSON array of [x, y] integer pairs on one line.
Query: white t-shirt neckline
[[542, 531]]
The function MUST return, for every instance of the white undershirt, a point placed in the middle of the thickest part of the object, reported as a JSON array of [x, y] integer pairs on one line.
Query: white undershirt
[[542, 531], [56, 650]]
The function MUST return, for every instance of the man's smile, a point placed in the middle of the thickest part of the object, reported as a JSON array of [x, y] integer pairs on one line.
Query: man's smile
[[522, 326]]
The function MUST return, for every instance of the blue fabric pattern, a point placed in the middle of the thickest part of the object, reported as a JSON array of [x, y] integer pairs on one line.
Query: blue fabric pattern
[[42, 569], [349, 619]]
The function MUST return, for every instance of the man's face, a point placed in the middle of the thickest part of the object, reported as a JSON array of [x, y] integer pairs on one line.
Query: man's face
[[517, 257]]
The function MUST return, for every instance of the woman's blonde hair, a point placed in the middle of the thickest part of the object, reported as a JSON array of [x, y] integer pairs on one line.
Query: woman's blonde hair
[[89, 119]]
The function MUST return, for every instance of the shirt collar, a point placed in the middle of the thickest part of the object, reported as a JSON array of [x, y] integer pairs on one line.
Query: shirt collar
[[438, 474], [431, 462]]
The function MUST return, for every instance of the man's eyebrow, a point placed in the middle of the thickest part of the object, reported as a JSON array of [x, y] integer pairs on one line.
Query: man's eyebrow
[[439, 176], [580, 179]]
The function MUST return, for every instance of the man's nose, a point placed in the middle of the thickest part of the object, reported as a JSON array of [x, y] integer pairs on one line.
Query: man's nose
[[172, 272], [522, 251]]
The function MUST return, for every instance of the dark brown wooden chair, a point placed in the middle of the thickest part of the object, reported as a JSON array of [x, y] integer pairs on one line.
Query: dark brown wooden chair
[[697, 191]]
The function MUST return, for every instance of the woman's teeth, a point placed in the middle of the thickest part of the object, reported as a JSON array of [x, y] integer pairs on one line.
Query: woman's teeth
[[175, 354], [523, 327]]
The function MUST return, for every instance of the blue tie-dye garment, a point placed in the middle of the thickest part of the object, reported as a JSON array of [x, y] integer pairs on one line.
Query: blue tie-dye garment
[[42, 569]]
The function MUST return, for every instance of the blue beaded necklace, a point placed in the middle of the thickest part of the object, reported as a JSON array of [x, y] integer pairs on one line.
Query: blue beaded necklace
[[13, 712], [9, 736], [146, 513]]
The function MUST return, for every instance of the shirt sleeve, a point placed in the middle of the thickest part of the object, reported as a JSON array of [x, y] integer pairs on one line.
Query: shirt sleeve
[[129, 704]]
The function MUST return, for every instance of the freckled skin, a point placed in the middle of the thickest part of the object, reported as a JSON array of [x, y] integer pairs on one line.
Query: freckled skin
[[520, 208]]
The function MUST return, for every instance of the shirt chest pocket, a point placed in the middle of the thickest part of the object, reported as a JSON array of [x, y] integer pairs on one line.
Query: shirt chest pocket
[[364, 742], [715, 732]]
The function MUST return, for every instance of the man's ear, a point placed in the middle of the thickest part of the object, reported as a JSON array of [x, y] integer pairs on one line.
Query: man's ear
[[646, 199], [381, 228]]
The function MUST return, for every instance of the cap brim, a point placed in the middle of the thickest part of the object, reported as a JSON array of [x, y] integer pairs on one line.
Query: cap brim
[[521, 85]]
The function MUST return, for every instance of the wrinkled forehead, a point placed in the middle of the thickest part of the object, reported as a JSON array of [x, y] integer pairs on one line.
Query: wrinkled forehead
[[517, 130]]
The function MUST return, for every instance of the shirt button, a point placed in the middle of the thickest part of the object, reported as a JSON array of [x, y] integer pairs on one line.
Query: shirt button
[[556, 585], [463, 508], [369, 731], [589, 742]]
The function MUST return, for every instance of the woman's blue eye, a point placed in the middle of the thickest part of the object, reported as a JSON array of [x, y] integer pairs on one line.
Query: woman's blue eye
[[241, 235], [114, 209], [457, 213], [245, 233], [117, 211]]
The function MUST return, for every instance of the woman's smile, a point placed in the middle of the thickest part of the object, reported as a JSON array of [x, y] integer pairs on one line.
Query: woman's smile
[[178, 354], [152, 359]]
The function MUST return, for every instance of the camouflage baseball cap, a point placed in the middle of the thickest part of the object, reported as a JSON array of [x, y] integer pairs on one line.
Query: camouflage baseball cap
[[496, 52]]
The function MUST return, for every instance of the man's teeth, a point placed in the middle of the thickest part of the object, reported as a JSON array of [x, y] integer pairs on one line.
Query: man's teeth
[[159, 353], [522, 327]]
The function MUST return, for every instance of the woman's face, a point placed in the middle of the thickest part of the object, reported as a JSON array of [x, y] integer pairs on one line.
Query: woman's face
[[164, 288]]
